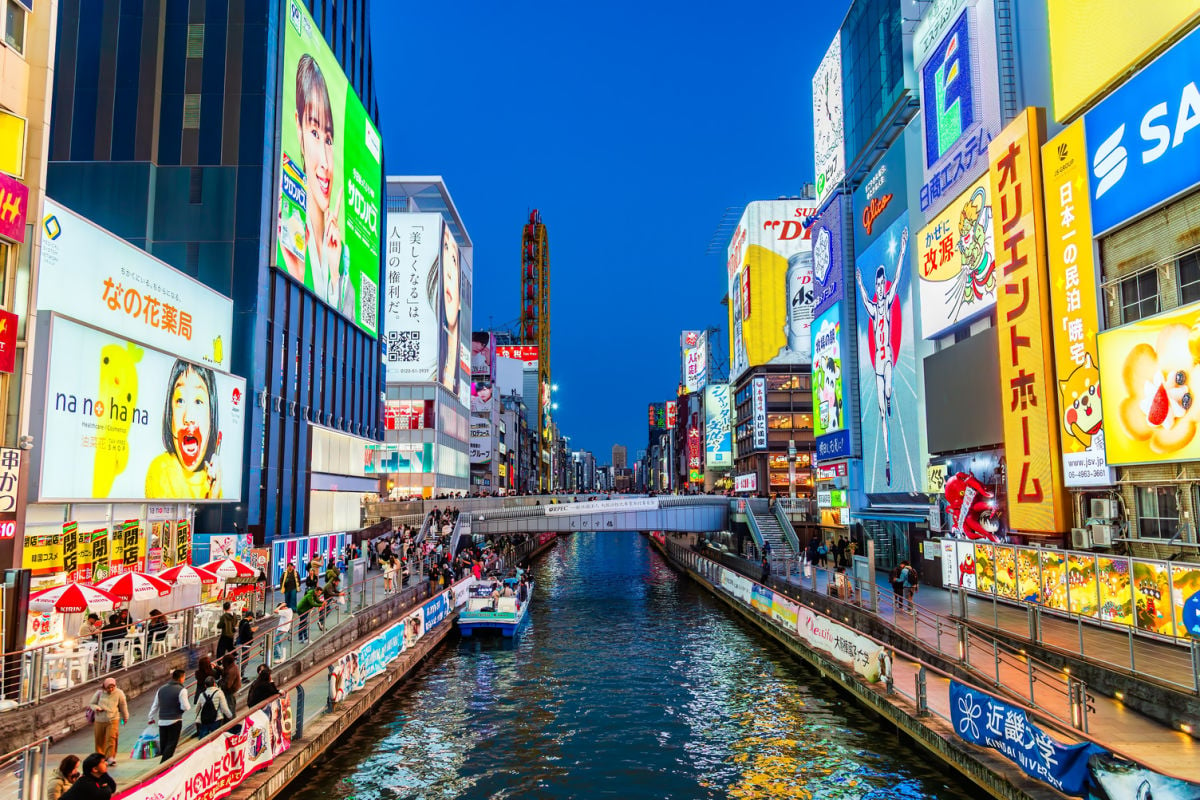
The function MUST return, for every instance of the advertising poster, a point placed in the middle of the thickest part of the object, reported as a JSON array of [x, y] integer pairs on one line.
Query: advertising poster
[[1116, 590], [985, 568], [887, 366], [1037, 499], [881, 198], [964, 570], [784, 611], [452, 345], [1082, 589], [954, 46], [413, 344], [718, 424], [42, 552], [1150, 413], [843, 644], [1006, 571], [1074, 315], [759, 411], [770, 275], [1152, 598], [483, 356], [956, 261], [331, 177], [1185, 599], [760, 598], [101, 568], [826, 235], [43, 628], [124, 422], [480, 446], [827, 372], [695, 360], [829, 126], [1029, 579], [1054, 579], [96, 277]]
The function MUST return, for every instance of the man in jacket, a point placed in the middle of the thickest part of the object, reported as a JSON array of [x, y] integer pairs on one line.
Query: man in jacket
[[112, 710], [227, 627], [308, 603], [290, 585], [95, 783], [170, 704]]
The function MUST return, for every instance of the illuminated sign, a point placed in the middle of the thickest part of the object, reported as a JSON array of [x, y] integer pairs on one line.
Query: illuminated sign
[[746, 483], [718, 423], [829, 127], [880, 198], [672, 413], [527, 353], [760, 412], [827, 372], [413, 343], [826, 235], [832, 498], [830, 472]]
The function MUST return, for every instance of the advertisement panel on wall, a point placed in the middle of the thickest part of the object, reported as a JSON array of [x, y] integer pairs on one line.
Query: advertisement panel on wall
[[829, 126], [880, 198], [1148, 408], [657, 415], [770, 286], [407, 458], [759, 412], [1074, 315], [412, 341], [527, 353], [718, 426], [1095, 43], [331, 177], [695, 360], [956, 261], [887, 365], [826, 234], [672, 412], [455, 354], [483, 356], [1142, 138], [829, 418], [123, 422], [747, 482], [1037, 500], [480, 446], [955, 48], [96, 277]]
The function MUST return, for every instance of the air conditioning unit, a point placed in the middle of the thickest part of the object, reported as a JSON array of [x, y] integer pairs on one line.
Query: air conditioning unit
[[1103, 508], [1102, 535], [1081, 538]]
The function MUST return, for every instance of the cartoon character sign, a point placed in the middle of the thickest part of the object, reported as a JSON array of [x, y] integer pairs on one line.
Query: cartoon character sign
[[1082, 413], [972, 508], [827, 370], [118, 385]]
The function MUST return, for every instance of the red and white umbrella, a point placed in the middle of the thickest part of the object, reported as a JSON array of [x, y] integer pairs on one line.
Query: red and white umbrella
[[189, 575], [73, 598], [135, 586], [230, 569]]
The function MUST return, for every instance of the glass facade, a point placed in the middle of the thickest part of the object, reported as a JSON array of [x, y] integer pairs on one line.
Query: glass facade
[[873, 66]]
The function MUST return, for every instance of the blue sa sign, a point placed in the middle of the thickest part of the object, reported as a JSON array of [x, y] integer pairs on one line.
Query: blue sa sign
[[1143, 141]]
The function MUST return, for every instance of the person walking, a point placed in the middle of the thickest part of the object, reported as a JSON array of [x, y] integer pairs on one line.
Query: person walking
[[283, 629], [313, 578], [290, 586], [212, 710], [305, 609], [231, 680], [263, 688], [246, 631], [170, 704], [65, 774], [227, 626], [204, 671], [911, 581], [111, 710], [897, 582], [94, 782], [332, 593]]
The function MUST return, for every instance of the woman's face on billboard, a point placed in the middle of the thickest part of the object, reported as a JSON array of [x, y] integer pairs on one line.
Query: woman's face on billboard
[[450, 277], [191, 419], [316, 141]]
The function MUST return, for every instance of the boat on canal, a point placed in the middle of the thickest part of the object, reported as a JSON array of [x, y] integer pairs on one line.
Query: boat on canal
[[488, 609]]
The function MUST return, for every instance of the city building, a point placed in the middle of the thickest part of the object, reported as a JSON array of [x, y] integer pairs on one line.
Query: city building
[[618, 456]]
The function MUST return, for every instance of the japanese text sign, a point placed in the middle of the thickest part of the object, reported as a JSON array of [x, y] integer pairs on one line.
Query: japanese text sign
[[14, 208], [10, 470]]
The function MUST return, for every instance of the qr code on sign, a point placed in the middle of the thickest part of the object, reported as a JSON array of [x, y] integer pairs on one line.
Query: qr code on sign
[[368, 302], [403, 345]]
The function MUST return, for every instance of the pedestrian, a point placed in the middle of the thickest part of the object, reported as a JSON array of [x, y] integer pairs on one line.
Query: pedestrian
[[911, 581], [204, 671], [332, 593], [308, 604], [822, 554], [813, 544], [231, 680], [766, 548], [290, 586], [283, 629], [766, 569], [170, 704], [111, 710], [897, 585], [94, 782], [313, 579], [212, 710], [227, 626], [263, 688], [245, 637], [65, 774]]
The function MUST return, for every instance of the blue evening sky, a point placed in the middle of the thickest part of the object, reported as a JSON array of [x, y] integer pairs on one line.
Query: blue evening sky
[[632, 126]]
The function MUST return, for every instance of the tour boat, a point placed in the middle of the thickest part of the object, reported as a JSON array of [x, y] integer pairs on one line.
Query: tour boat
[[503, 614]]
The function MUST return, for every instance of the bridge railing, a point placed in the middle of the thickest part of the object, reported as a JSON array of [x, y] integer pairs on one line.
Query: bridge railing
[[755, 531], [788, 531]]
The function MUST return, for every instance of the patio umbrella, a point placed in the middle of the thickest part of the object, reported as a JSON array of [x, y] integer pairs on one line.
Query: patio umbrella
[[135, 586], [189, 575], [73, 598], [230, 569]]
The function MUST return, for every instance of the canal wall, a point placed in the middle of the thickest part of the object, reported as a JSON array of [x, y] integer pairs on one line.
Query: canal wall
[[991, 772]]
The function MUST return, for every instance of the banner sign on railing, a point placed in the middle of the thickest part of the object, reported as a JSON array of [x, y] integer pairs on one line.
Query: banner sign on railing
[[844, 644], [436, 610], [351, 672], [604, 506]]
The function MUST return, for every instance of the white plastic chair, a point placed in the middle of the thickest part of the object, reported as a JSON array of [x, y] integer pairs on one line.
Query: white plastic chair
[[116, 648]]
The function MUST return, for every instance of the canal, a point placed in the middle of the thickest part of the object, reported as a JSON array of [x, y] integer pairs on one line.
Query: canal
[[629, 682]]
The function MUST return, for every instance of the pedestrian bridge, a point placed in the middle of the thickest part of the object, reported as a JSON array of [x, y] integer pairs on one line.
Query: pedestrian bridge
[[689, 513]]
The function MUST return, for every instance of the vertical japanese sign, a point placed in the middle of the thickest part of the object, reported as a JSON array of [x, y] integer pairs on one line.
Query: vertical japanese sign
[[717, 425], [183, 542], [100, 563], [1073, 313], [413, 340], [672, 413], [10, 470], [131, 545], [694, 345], [70, 549], [829, 127], [760, 413], [1037, 498], [695, 459]]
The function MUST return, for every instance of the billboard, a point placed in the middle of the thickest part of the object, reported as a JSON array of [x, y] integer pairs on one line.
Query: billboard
[[96, 277], [527, 353], [658, 416], [480, 446], [1074, 316], [331, 177], [404, 458], [413, 343], [830, 416], [826, 235], [759, 411], [718, 426], [695, 360], [483, 356], [829, 125], [1037, 500], [956, 261], [887, 365], [1147, 397], [770, 275], [1142, 138], [881, 197], [123, 422], [955, 48], [1095, 43], [672, 412], [455, 352]]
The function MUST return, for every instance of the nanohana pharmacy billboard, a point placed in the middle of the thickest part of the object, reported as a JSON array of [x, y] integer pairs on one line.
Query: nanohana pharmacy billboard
[[125, 422], [331, 177], [96, 277]]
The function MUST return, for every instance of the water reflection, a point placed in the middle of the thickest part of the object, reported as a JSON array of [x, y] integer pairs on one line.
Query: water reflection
[[628, 682]]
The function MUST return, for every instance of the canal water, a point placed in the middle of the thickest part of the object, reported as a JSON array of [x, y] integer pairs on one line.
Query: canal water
[[629, 682]]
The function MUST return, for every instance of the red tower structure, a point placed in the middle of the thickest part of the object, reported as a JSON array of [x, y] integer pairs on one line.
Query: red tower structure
[[535, 330]]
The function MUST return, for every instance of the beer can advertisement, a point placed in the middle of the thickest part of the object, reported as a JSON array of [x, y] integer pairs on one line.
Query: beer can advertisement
[[125, 422]]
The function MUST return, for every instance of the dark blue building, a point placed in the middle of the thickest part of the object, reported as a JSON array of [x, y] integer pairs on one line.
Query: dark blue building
[[166, 131]]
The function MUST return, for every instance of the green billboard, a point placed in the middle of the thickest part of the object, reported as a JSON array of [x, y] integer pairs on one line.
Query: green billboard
[[331, 177]]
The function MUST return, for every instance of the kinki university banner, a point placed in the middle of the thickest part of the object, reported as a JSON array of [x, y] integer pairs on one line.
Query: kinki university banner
[[123, 422], [1074, 317], [1037, 500], [331, 177]]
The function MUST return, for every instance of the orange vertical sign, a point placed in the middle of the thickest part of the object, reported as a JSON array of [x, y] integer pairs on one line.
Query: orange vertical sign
[[1037, 501]]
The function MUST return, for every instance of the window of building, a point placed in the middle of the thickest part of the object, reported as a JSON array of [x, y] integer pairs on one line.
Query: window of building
[[1189, 279], [1158, 512], [1139, 296], [14, 25]]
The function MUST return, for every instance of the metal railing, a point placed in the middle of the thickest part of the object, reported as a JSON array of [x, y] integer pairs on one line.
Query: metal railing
[[24, 771], [755, 531], [788, 531], [462, 527]]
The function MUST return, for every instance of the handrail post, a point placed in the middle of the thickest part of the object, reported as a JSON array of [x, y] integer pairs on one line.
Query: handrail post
[[1035, 623], [299, 734], [1196, 665], [921, 695]]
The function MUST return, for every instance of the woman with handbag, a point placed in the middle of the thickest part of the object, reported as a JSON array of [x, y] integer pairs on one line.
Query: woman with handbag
[[108, 711]]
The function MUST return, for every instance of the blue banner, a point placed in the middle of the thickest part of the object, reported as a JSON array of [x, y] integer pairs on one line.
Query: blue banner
[[981, 719], [436, 610]]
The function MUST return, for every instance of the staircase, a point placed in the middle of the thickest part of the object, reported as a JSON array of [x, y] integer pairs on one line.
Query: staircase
[[771, 531]]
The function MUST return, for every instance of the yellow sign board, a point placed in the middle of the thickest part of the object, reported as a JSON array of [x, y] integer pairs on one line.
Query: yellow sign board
[[1037, 500], [12, 144]]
